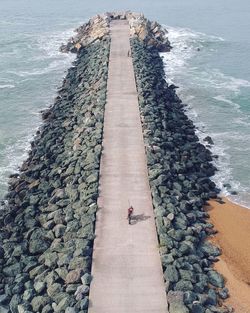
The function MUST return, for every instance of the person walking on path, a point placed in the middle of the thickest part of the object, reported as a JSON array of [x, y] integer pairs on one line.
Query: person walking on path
[[130, 212]]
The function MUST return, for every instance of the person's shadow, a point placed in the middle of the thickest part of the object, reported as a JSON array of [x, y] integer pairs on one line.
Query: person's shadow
[[138, 218]]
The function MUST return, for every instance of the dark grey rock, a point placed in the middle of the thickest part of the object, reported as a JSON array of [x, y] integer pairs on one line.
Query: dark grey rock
[[12, 270], [184, 285], [3, 299], [4, 309], [38, 242], [171, 274], [224, 293], [14, 302], [189, 297], [215, 279], [81, 292], [84, 303], [86, 279]]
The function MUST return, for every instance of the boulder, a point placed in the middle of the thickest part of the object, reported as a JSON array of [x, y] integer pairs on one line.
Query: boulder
[[38, 242], [215, 279], [171, 274], [176, 304], [39, 302]]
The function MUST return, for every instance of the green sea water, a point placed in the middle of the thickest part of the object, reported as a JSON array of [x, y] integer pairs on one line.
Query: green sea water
[[210, 62]]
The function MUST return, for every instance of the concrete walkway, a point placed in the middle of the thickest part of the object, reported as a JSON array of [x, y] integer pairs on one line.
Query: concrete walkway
[[127, 273]]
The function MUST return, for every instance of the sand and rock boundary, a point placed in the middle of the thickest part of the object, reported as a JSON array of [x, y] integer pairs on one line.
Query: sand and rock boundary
[[179, 172]]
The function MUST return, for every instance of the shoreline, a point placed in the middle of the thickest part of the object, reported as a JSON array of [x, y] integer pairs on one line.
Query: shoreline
[[232, 223]]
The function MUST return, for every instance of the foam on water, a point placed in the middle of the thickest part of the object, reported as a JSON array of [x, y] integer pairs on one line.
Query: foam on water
[[35, 90], [7, 86], [212, 97]]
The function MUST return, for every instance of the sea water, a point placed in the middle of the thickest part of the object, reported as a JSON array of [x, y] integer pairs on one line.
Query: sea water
[[210, 62]]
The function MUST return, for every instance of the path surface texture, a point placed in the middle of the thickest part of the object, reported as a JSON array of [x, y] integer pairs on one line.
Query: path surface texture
[[127, 273]]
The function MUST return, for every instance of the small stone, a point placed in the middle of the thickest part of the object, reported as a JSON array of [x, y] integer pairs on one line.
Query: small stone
[[184, 285], [1, 253], [28, 295], [39, 302], [4, 309], [62, 272], [38, 242], [3, 299], [224, 293], [37, 271], [54, 289], [47, 309], [14, 302], [176, 304], [39, 286], [22, 308], [170, 216], [86, 279], [171, 274], [84, 303], [81, 291], [211, 297], [51, 259], [197, 308], [72, 288], [62, 305], [70, 310], [59, 230], [73, 276], [215, 279], [12, 270], [189, 297], [79, 262]]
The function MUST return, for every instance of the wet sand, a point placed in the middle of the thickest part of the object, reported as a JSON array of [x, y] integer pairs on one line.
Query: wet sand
[[233, 225]]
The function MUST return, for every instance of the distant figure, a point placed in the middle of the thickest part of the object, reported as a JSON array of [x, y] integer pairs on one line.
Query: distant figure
[[130, 212], [128, 53]]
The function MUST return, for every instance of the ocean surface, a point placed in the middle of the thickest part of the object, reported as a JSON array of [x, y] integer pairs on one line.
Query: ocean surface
[[210, 62]]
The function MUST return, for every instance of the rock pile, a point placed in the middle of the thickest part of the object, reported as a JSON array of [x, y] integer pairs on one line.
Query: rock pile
[[179, 171], [48, 226], [151, 33], [97, 28]]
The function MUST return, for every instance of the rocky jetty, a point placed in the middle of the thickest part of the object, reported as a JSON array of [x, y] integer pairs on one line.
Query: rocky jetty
[[179, 172], [97, 28], [48, 225]]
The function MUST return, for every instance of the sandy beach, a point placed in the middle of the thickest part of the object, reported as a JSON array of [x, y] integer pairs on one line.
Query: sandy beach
[[233, 225]]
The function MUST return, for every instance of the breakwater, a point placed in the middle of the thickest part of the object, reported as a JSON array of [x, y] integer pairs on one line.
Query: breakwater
[[179, 172], [47, 228], [48, 222]]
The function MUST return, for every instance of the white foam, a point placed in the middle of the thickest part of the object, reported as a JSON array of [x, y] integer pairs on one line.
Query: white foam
[[8, 86], [222, 98], [199, 85], [53, 66], [14, 155], [186, 44], [45, 48], [49, 44], [213, 78]]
